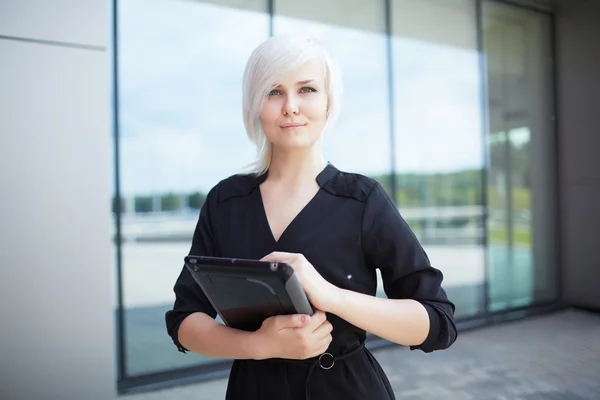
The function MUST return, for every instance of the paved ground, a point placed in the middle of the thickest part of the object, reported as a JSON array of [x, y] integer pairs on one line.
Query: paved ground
[[553, 357]]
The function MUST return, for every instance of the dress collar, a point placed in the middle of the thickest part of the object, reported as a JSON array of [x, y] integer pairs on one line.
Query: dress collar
[[325, 175]]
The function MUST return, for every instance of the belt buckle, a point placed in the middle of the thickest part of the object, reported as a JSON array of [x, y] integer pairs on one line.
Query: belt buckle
[[321, 361]]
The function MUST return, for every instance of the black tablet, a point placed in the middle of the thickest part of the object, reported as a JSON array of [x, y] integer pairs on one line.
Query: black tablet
[[246, 292]]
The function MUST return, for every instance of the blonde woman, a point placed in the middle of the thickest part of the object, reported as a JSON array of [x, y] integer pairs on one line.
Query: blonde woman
[[335, 228]]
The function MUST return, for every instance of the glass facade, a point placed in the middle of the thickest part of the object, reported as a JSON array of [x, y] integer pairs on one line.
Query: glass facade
[[521, 173], [447, 103], [437, 139]]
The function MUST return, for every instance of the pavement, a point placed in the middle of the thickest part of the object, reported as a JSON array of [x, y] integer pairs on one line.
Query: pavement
[[550, 357]]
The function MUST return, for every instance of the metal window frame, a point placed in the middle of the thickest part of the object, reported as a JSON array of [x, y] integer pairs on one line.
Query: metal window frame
[[117, 240]]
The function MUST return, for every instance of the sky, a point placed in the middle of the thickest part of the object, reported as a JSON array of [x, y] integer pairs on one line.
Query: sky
[[180, 71]]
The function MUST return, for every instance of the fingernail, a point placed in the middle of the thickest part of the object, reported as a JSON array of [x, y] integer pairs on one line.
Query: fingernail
[[303, 318]]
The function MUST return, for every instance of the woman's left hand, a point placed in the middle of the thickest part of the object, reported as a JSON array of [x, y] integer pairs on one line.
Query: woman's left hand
[[320, 292]]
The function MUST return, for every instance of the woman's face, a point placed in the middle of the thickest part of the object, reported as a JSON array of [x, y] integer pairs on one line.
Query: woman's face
[[295, 112]]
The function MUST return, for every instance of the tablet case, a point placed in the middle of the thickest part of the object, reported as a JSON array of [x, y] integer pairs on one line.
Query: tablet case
[[246, 292]]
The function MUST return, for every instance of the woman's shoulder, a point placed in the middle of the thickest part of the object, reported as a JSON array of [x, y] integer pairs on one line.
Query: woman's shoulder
[[350, 184], [237, 185]]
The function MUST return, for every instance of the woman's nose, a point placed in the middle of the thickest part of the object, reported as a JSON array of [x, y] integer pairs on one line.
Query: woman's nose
[[290, 105]]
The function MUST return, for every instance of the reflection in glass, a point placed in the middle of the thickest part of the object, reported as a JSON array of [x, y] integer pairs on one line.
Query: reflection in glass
[[520, 174], [181, 131], [438, 145]]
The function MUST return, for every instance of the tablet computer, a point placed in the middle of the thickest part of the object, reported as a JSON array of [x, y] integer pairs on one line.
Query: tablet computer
[[246, 292]]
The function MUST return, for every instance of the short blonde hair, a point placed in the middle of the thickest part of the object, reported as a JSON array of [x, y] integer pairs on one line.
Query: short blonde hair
[[271, 59]]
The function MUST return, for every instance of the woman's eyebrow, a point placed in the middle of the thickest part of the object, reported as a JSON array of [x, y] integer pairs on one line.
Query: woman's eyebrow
[[300, 83]]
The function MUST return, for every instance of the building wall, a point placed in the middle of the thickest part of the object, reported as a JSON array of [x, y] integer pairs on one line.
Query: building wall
[[56, 298], [578, 48]]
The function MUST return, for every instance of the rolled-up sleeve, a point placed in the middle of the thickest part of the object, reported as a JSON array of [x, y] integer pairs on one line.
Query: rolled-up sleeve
[[390, 245], [189, 298]]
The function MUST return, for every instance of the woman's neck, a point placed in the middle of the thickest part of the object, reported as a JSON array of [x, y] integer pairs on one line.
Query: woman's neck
[[296, 166]]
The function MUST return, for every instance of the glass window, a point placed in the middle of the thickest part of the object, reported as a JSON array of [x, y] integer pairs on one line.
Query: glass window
[[181, 131], [521, 174], [438, 148]]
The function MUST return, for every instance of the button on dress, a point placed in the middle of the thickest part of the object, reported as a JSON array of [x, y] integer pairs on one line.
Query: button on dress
[[347, 231]]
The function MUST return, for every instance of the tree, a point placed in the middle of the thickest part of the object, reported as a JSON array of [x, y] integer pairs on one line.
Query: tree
[[196, 200], [143, 204], [171, 202]]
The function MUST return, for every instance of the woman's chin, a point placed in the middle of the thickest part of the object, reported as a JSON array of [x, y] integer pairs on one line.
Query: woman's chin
[[294, 144], [289, 142]]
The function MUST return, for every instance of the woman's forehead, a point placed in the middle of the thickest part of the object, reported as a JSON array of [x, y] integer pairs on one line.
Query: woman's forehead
[[309, 72]]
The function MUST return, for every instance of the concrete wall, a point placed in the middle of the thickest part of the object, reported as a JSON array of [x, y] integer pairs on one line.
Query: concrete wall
[[56, 297], [579, 135]]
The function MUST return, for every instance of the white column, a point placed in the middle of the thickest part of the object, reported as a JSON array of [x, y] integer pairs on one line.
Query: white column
[[56, 290]]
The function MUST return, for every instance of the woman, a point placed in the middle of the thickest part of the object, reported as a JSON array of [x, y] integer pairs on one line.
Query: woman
[[334, 228]]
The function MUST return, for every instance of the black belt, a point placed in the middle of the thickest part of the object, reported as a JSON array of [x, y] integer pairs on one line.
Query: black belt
[[325, 361]]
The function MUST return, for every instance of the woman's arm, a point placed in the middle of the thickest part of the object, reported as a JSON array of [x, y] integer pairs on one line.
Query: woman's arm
[[402, 321], [417, 304], [202, 334], [282, 336]]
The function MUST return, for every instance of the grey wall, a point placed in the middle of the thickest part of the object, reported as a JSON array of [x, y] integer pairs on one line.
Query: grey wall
[[56, 296], [579, 135]]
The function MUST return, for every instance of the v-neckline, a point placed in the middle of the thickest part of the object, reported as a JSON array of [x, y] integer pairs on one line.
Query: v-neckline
[[321, 178], [291, 224]]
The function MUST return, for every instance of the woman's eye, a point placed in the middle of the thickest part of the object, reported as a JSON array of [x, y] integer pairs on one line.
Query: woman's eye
[[274, 92], [307, 90]]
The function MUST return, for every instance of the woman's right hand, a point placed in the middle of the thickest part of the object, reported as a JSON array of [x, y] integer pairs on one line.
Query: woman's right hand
[[296, 337]]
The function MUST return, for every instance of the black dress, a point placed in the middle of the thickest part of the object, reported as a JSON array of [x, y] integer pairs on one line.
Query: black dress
[[348, 230]]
